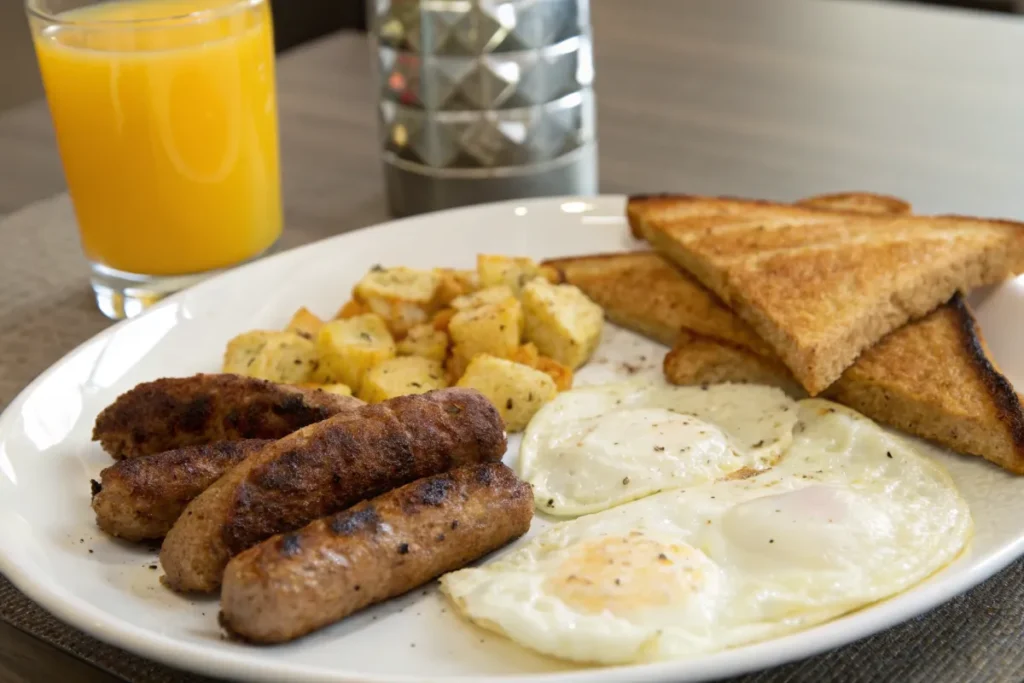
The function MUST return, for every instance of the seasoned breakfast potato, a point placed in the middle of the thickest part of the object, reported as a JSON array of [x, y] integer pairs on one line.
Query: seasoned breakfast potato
[[305, 323], [488, 295], [512, 271], [426, 342], [492, 328], [448, 287], [516, 390], [526, 354], [349, 348], [563, 323], [350, 309], [339, 389], [403, 297], [242, 350], [402, 376], [561, 374], [285, 357], [455, 283], [468, 279], [289, 359], [442, 318], [454, 366]]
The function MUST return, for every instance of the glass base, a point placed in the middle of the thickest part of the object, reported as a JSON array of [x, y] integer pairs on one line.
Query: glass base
[[121, 295]]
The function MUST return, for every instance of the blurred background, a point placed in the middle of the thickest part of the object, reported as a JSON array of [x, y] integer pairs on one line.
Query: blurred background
[[296, 21]]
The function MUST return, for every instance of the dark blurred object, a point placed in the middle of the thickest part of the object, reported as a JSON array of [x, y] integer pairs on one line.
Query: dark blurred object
[[297, 21], [1008, 6]]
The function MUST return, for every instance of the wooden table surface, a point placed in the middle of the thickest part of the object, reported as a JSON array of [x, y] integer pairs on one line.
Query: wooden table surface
[[773, 99]]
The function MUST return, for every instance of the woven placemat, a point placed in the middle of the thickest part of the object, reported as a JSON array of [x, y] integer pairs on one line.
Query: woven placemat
[[46, 309]]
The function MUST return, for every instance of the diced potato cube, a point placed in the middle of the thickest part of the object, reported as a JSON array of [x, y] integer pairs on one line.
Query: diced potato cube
[[402, 376], [561, 374], [350, 309], [349, 348], [469, 279], [512, 271], [454, 366], [563, 323], [403, 297], [305, 323], [242, 350], [526, 354], [442, 318], [492, 328], [339, 389], [448, 287], [289, 360], [426, 342], [516, 390], [276, 356], [455, 283], [490, 295]]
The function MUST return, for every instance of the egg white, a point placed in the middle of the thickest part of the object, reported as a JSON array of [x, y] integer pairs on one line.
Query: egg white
[[851, 515], [597, 447]]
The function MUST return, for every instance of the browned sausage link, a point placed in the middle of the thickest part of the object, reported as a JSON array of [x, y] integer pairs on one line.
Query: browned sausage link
[[140, 498], [325, 468], [296, 583], [176, 412]]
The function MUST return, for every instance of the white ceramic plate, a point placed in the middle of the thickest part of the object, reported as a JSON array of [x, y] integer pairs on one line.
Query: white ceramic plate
[[52, 551]]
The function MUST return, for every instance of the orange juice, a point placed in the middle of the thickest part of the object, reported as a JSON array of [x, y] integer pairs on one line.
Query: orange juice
[[166, 120]]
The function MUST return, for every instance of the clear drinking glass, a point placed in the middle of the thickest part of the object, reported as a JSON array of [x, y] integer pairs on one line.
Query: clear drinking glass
[[166, 120]]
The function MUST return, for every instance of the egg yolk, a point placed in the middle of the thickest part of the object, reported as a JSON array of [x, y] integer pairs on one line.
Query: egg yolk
[[622, 574]]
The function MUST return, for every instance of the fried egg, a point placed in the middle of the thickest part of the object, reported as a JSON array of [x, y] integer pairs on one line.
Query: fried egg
[[593, 448], [851, 515]]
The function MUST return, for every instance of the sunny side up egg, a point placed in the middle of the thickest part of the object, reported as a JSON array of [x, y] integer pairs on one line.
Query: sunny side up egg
[[593, 448], [851, 515]]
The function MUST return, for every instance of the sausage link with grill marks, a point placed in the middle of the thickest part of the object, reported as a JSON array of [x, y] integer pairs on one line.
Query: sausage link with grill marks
[[177, 412], [140, 498], [325, 468], [295, 583]]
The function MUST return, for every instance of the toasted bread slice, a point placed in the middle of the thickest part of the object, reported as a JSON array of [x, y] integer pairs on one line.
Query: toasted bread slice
[[935, 379], [932, 378], [642, 211], [820, 287], [858, 202], [644, 292], [698, 359]]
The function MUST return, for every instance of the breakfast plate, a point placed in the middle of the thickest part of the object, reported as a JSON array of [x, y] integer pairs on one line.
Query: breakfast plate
[[53, 552]]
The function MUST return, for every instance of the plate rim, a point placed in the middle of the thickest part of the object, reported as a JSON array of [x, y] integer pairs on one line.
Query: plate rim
[[207, 659]]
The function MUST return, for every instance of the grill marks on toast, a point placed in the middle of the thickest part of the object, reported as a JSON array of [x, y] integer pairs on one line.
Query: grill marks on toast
[[820, 287], [644, 292], [932, 378]]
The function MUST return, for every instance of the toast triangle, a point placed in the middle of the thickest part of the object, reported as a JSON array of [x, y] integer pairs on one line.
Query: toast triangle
[[819, 287], [933, 378]]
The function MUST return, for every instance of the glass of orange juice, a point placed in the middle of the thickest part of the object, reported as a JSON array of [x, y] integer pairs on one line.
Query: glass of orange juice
[[166, 119]]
